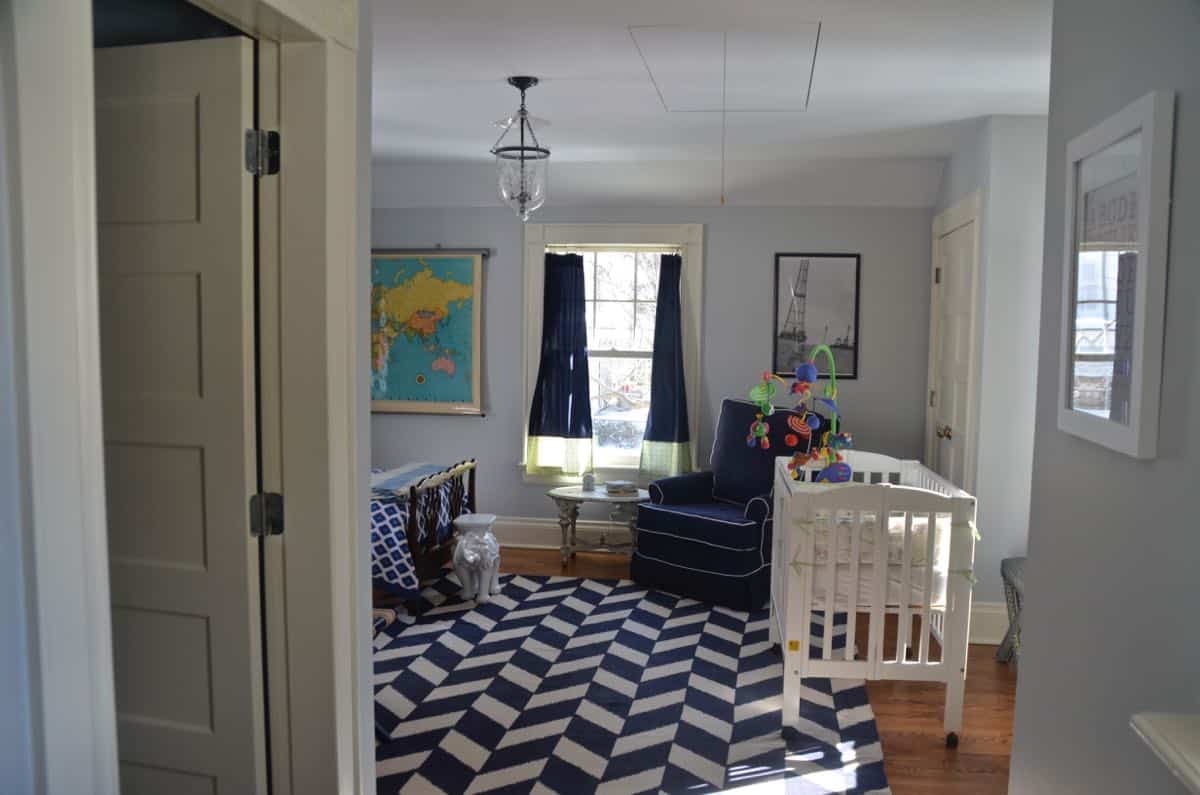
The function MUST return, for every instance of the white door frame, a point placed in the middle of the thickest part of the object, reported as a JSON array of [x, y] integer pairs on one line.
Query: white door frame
[[966, 211], [324, 405]]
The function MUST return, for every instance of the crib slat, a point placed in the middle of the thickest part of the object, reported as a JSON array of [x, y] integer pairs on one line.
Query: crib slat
[[926, 615], [852, 607], [904, 628], [831, 587]]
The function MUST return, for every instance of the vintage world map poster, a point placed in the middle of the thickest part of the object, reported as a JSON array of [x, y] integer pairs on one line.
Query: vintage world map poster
[[425, 335]]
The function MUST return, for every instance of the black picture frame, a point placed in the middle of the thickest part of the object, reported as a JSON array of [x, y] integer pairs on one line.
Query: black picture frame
[[793, 335]]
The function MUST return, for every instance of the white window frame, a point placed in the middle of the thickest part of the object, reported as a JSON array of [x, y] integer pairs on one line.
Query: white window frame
[[688, 238]]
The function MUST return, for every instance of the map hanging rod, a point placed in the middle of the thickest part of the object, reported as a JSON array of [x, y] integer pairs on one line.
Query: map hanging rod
[[483, 252]]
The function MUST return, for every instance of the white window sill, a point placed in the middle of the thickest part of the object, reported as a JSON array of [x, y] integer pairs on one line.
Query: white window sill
[[1175, 740]]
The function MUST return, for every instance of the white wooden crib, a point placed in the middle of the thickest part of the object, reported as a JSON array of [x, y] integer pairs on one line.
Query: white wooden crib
[[897, 540]]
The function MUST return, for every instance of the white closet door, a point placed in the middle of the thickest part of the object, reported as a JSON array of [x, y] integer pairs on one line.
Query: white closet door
[[175, 206], [953, 346]]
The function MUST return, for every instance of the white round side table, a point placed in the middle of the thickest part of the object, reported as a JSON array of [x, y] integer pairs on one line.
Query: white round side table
[[623, 510]]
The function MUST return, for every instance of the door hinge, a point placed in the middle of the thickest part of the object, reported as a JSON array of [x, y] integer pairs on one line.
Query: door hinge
[[937, 275], [266, 514], [262, 152]]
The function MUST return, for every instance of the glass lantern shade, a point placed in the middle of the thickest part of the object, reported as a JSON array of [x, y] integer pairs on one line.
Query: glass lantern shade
[[522, 182], [522, 164]]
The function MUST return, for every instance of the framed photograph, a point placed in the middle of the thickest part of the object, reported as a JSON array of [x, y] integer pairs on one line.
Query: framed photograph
[[1115, 276], [426, 352], [816, 303]]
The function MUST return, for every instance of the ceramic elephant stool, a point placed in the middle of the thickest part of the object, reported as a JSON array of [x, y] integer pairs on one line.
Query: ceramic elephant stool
[[477, 556]]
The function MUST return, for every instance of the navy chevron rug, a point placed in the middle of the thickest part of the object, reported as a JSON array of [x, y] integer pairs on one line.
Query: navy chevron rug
[[576, 686]]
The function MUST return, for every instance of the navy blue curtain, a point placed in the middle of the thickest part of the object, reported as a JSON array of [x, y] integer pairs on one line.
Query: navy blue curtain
[[668, 420], [561, 404]]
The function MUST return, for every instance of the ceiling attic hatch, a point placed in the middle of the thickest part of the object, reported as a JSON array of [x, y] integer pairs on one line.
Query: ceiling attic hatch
[[698, 71]]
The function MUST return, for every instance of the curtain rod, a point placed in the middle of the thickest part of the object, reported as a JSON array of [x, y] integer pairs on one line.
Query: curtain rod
[[646, 247]]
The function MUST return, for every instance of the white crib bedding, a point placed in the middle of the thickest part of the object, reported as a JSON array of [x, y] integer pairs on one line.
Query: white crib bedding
[[895, 587], [918, 573]]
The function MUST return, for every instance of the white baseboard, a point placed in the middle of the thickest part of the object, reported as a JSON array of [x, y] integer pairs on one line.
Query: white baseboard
[[989, 620], [543, 533]]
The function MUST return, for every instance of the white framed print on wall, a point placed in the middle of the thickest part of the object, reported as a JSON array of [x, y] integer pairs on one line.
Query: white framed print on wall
[[1115, 277]]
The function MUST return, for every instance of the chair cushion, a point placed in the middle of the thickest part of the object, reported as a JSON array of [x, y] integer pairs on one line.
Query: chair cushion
[[711, 538], [742, 472], [693, 487]]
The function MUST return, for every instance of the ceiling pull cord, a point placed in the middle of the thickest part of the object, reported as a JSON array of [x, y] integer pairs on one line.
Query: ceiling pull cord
[[724, 71]]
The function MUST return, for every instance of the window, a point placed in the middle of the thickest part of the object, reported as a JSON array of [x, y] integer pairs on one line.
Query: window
[[621, 288], [621, 264], [1095, 331]]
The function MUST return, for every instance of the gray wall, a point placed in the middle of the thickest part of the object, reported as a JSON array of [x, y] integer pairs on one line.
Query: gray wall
[[884, 408], [1012, 240], [1114, 544], [18, 770], [967, 169], [1004, 158]]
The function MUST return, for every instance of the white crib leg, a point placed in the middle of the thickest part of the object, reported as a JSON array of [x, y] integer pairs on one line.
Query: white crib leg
[[957, 626], [791, 692], [779, 528], [772, 625], [952, 719]]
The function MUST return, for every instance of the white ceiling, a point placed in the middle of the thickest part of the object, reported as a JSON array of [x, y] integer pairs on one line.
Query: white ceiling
[[891, 80]]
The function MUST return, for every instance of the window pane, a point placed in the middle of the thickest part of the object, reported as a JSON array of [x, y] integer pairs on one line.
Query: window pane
[[643, 333], [620, 401], [1106, 261], [614, 275], [647, 276], [614, 326], [589, 276]]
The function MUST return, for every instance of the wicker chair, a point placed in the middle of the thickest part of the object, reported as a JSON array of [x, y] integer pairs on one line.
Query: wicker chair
[[1012, 572]]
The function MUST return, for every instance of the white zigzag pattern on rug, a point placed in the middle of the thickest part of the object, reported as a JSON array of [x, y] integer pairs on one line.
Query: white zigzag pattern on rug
[[571, 685]]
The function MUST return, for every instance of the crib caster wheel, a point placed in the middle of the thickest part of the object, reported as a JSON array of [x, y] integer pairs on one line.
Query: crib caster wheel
[[790, 734], [952, 740]]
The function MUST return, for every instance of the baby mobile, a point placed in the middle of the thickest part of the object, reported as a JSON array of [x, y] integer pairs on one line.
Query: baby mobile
[[826, 449]]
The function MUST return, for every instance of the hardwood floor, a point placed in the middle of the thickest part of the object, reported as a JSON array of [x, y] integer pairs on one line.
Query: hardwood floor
[[908, 714]]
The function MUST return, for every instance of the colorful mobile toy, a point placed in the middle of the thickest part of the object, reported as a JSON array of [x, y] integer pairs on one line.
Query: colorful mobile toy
[[762, 394], [835, 469], [801, 428]]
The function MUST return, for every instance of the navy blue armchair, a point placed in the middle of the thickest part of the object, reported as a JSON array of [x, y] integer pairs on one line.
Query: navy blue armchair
[[707, 535]]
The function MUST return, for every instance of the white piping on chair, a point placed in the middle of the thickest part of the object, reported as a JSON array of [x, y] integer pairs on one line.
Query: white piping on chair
[[761, 499], [702, 571], [666, 509], [697, 541]]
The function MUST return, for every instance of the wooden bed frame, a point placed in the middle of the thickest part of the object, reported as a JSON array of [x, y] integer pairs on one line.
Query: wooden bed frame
[[430, 555]]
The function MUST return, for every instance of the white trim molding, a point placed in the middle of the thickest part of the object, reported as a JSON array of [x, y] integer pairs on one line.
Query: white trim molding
[[57, 340], [689, 238], [527, 532], [989, 622]]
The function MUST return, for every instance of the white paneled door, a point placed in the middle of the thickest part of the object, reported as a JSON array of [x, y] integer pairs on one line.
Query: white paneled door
[[176, 235], [950, 420]]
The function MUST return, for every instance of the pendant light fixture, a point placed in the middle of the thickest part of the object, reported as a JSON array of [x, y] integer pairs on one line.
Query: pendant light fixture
[[522, 164]]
